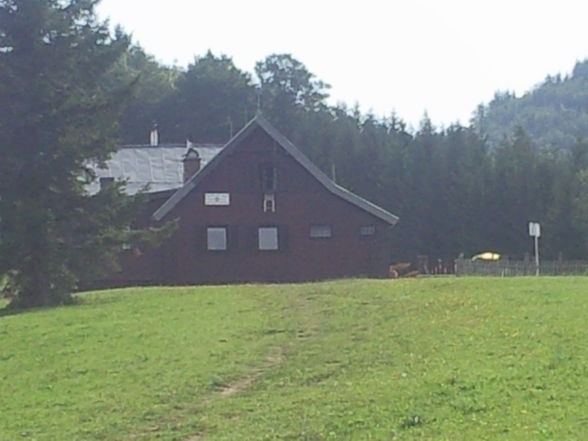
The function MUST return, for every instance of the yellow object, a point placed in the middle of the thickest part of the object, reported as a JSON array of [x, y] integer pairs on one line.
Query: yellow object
[[488, 256]]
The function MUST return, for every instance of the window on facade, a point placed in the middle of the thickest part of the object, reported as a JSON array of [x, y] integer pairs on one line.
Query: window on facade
[[106, 182], [267, 238], [126, 246], [320, 231], [216, 238], [269, 178], [367, 230]]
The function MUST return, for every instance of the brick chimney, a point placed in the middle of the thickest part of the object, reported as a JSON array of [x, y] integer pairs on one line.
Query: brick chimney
[[191, 163]]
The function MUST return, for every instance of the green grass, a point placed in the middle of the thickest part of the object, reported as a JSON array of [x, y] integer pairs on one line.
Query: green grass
[[431, 359]]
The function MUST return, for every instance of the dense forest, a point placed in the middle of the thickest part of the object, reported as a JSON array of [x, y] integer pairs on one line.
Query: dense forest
[[456, 190], [554, 113]]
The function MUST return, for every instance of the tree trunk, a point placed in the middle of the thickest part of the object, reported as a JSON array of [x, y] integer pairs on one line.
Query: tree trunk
[[35, 287]]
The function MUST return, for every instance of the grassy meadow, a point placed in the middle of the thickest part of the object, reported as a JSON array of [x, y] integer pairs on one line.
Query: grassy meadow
[[426, 359]]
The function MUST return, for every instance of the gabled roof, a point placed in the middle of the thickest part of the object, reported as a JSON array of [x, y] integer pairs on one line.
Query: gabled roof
[[261, 122]]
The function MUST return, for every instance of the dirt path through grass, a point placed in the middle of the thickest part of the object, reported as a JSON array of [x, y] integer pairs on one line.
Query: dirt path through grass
[[272, 360], [245, 383], [305, 315]]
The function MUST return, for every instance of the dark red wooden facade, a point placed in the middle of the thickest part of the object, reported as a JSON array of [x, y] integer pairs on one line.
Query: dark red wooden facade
[[358, 244]]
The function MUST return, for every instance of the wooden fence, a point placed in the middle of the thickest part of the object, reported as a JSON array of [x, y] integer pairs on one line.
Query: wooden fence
[[510, 268]]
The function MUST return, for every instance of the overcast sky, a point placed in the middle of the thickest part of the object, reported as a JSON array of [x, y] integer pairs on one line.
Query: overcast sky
[[408, 56]]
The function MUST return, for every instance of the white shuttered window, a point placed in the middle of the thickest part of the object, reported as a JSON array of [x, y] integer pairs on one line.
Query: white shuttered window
[[267, 238], [216, 238]]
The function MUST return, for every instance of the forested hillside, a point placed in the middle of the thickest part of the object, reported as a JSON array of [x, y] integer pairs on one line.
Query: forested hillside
[[554, 114], [459, 189]]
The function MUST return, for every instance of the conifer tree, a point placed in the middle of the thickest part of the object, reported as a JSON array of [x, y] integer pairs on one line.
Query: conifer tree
[[57, 116]]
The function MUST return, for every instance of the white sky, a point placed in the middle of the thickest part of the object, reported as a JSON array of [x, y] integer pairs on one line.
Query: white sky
[[408, 56]]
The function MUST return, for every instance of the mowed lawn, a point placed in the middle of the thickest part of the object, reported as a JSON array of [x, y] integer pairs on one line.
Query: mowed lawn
[[427, 359]]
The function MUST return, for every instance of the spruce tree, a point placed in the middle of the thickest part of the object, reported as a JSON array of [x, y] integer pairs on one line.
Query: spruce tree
[[57, 116]]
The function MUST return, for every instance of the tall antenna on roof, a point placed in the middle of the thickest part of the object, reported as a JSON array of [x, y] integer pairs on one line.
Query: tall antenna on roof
[[230, 122], [258, 101]]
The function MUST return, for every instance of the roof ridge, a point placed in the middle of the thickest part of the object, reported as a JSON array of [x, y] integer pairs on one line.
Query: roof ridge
[[170, 145]]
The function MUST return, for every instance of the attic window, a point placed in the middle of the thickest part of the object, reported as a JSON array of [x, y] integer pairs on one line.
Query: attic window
[[269, 178]]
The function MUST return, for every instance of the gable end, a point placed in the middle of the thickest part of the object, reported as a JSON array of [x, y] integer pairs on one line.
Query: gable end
[[259, 121]]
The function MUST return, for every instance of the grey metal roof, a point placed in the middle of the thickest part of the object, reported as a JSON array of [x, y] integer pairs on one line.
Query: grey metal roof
[[159, 166], [259, 121]]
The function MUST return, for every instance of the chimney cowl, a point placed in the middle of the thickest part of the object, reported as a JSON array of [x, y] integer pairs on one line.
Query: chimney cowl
[[191, 154]]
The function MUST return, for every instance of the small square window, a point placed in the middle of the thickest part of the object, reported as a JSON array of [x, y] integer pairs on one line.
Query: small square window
[[216, 238], [267, 238], [126, 246], [367, 230], [320, 231], [106, 183]]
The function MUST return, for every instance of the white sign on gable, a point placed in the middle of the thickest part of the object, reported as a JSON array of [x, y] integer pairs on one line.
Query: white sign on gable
[[534, 229], [217, 199]]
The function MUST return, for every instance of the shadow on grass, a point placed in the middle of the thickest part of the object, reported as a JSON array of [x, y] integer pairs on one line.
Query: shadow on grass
[[8, 309]]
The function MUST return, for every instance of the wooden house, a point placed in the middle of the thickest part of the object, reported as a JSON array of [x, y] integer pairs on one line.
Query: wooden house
[[260, 211]]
